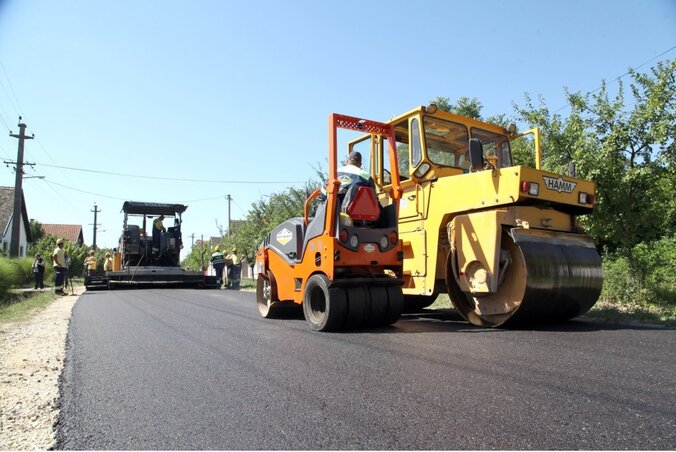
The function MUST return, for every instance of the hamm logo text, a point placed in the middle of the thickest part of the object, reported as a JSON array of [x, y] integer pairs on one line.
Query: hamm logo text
[[559, 184]]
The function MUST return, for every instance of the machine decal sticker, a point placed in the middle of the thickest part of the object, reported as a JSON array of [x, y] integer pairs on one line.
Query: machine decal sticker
[[284, 236], [369, 247], [559, 184]]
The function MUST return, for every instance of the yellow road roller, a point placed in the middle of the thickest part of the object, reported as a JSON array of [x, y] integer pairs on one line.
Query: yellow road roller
[[501, 240]]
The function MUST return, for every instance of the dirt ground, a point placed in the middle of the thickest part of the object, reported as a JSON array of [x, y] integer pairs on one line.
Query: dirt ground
[[31, 360]]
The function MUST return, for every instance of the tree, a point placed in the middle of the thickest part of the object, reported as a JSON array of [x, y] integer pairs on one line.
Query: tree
[[37, 231], [265, 214], [470, 108], [626, 146]]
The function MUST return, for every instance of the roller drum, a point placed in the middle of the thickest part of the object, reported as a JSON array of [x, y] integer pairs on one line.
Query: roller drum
[[545, 277]]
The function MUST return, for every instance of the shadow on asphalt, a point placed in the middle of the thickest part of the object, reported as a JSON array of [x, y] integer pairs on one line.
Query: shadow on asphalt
[[448, 320]]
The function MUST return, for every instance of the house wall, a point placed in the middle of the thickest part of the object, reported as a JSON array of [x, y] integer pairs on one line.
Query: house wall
[[23, 240]]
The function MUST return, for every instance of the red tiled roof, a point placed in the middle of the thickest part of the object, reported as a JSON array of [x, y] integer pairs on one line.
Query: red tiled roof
[[71, 232]]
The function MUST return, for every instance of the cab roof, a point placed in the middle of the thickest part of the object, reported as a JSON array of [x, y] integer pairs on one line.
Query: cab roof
[[152, 208]]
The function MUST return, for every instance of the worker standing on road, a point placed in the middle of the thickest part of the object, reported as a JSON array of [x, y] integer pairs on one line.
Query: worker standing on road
[[108, 263], [234, 269], [60, 269], [90, 264], [218, 262], [158, 229], [39, 271]]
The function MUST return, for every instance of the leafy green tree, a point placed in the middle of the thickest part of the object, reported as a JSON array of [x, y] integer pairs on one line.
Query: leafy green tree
[[37, 231], [470, 108], [626, 146], [265, 214]]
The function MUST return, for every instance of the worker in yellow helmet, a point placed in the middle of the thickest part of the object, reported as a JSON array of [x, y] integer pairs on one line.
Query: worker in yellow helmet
[[108, 263], [234, 269], [90, 263]]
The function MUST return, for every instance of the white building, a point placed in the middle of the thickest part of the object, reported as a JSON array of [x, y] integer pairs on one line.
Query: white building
[[6, 213]]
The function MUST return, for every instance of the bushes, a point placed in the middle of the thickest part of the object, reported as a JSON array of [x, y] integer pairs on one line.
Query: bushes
[[643, 279], [11, 275]]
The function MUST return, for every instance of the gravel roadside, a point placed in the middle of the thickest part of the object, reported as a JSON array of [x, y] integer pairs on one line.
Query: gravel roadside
[[31, 361]]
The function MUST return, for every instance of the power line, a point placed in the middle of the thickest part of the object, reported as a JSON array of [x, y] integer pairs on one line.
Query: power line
[[172, 179], [3, 113], [83, 191], [623, 75], [9, 82]]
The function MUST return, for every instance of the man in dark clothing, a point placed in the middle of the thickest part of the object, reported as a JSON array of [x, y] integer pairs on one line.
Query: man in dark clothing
[[218, 262]]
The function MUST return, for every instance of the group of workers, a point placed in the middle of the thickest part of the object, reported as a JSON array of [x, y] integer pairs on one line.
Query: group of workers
[[61, 263], [233, 262]]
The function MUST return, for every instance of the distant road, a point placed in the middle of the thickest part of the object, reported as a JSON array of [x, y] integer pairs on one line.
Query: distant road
[[190, 369]]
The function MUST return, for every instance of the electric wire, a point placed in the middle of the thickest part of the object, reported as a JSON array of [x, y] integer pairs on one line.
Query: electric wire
[[9, 82], [3, 113], [171, 179], [616, 79]]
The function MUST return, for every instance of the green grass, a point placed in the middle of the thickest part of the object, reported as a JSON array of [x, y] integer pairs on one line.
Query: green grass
[[647, 312], [18, 308], [609, 312]]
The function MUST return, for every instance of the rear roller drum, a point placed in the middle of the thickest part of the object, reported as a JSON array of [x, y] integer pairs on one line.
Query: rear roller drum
[[266, 296]]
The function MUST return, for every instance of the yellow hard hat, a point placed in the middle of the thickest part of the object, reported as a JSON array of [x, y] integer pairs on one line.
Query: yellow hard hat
[[92, 252], [218, 248], [234, 250]]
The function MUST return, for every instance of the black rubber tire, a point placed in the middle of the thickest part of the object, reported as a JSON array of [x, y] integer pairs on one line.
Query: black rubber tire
[[357, 307], [378, 306], [395, 304], [324, 309]]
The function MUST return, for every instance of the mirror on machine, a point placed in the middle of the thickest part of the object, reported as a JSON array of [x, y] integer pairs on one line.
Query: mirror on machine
[[476, 154]]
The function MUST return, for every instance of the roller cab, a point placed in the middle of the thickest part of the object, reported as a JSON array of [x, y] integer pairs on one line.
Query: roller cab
[[502, 240]]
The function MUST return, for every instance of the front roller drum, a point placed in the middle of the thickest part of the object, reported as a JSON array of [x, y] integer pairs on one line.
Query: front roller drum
[[269, 307], [544, 277]]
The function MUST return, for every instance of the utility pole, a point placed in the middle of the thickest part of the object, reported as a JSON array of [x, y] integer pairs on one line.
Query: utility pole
[[18, 190], [229, 198], [96, 210]]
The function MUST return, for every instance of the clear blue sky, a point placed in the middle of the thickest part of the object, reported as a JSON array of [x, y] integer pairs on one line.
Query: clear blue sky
[[241, 90]]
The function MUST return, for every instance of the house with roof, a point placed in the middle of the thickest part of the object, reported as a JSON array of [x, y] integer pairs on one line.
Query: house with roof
[[71, 232], [6, 214]]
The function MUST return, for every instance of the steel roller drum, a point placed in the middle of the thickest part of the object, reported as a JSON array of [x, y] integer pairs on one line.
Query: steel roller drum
[[546, 277]]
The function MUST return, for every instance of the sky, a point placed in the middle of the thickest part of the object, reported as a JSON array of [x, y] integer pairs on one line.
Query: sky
[[188, 102]]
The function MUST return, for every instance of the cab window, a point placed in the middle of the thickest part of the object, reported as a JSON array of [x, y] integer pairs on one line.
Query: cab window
[[495, 145], [447, 142]]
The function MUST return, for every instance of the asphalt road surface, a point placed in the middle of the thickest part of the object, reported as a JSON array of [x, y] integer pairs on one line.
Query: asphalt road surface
[[189, 369]]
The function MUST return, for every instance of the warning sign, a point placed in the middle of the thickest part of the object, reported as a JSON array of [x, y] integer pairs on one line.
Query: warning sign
[[284, 236]]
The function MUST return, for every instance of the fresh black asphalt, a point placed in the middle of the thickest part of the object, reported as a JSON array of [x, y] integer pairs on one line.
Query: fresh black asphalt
[[190, 369]]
